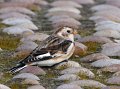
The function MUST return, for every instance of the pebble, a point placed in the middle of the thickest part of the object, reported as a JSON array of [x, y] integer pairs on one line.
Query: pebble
[[112, 17], [1, 0], [22, 53], [78, 70], [85, 1], [108, 33], [14, 14], [89, 83], [103, 7], [94, 57], [26, 33], [68, 77], [117, 41], [80, 49], [16, 21], [114, 80], [112, 12], [27, 45], [104, 17], [114, 3], [67, 20], [63, 3], [17, 9], [66, 23], [58, 17], [65, 8], [40, 2], [68, 86], [77, 37], [105, 62], [1, 75], [3, 86], [16, 30], [30, 82], [98, 19], [97, 39], [31, 26], [111, 49], [112, 87], [68, 64], [116, 74], [36, 87], [35, 37], [68, 13], [112, 68], [34, 70], [15, 5], [26, 76], [107, 25], [1, 50]]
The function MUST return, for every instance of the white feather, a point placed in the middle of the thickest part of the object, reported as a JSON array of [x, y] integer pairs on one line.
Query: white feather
[[20, 68], [43, 55]]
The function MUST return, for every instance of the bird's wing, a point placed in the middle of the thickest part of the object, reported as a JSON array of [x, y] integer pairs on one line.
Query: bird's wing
[[50, 40], [54, 48]]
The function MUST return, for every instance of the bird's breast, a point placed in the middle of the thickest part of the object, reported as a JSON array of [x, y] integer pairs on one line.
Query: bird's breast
[[70, 50]]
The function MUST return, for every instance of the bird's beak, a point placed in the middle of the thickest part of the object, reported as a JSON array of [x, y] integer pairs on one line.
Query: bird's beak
[[75, 32]]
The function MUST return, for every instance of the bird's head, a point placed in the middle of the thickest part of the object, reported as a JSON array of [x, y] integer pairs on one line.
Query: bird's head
[[66, 33]]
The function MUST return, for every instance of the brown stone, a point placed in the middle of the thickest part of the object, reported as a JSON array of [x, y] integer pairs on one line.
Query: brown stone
[[80, 49], [112, 68], [34, 70]]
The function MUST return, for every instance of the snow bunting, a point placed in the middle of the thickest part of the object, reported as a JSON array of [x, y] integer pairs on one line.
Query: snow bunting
[[55, 49]]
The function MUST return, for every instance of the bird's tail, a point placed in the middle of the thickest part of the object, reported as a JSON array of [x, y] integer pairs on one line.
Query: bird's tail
[[18, 68]]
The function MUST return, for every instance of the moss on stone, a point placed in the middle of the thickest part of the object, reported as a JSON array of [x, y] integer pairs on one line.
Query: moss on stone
[[93, 47], [8, 42], [18, 86], [2, 26], [84, 32], [91, 88]]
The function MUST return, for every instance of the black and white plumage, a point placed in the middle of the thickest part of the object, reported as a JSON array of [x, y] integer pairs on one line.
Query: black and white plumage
[[56, 48]]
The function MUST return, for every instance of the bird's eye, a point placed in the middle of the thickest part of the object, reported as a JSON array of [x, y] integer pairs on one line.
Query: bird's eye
[[68, 31]]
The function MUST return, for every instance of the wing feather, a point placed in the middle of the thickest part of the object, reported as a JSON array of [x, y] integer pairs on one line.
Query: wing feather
[[54, 48]]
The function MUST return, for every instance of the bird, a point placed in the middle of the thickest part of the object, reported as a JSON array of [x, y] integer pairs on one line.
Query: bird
[[55, 49]]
